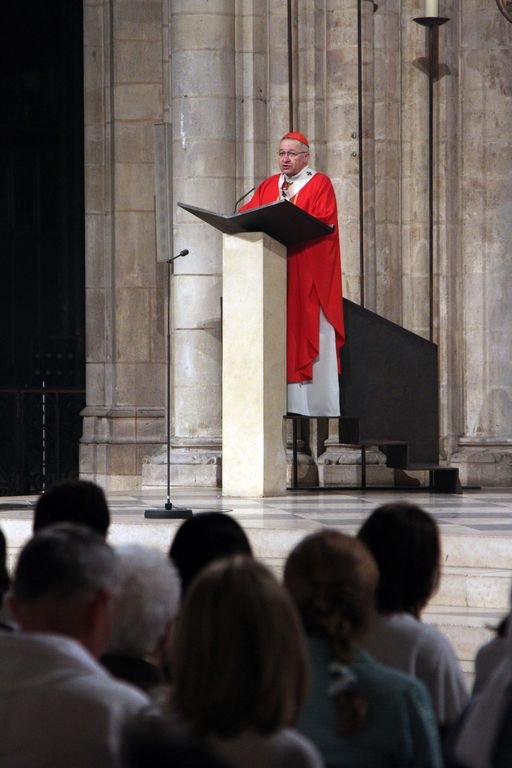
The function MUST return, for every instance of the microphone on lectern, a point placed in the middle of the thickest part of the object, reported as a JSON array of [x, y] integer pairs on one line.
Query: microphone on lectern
[[184, 252], [242, 198]]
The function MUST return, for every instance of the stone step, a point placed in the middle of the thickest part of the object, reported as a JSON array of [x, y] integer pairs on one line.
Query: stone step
[[468, 587], [460, 587], [472, 596], [469, 581], [475, 584], [477, 550], [466, 628], [477, 570]]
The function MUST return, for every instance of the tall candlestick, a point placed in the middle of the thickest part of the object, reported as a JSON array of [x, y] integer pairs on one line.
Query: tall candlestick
[[431, 7]]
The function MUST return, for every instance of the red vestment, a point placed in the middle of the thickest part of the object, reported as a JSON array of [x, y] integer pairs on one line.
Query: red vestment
[[314, 275]]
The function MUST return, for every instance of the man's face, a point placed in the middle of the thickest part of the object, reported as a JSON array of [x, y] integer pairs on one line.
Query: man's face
[[293, 157]]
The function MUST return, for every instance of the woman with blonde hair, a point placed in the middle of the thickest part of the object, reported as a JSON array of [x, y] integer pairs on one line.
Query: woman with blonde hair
[[359, 713], [240, 667]]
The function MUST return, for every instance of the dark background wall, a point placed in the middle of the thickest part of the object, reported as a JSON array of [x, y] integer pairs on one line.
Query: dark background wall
[[41, 242]]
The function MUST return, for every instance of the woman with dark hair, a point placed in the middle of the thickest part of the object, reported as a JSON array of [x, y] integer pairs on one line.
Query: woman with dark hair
[[204, 538], [240, 668], [73, 501], [359, 713], [405, 542]]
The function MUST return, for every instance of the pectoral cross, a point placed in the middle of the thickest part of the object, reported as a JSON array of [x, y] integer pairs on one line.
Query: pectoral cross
[[284, 188]]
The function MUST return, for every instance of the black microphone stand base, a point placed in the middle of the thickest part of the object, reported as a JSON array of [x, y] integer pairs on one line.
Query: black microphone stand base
[[168, 512]]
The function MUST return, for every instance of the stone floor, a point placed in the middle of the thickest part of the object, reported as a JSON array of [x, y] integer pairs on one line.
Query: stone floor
[[476, 532]]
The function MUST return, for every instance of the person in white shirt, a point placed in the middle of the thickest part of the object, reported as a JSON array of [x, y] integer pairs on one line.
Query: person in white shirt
[[484, 737], [490, 655], [405, 542], [58, 707]]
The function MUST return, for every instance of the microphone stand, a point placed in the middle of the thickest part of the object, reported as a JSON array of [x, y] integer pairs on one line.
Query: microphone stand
[[169, 511]]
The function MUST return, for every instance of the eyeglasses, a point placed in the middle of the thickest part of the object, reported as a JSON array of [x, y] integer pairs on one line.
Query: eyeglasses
[[291, 155]]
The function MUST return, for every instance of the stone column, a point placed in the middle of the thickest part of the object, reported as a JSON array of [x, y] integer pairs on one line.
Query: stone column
[[202, 111], [253, 161], [328, 100], [326, 106], [388, 167], [447, 241], [123, 419], [485, 455], [412, 306]]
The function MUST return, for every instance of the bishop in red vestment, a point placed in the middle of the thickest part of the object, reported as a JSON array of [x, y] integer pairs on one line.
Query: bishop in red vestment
[[315, 329]]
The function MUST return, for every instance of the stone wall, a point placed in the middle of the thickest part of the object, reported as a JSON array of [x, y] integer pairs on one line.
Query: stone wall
[[124, 416], [485, 232], [217, 72]]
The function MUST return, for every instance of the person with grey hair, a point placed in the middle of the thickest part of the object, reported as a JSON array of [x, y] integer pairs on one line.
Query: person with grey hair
[[144, 608], [58, 706]]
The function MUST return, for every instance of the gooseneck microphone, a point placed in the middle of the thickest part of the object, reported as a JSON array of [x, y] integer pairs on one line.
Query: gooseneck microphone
[[242, 198], [184, 252]]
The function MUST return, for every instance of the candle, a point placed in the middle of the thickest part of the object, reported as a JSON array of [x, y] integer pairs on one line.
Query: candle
[[431, 7]]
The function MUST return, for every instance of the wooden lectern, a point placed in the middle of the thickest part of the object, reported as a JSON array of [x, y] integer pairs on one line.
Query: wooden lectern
[[254, 341]]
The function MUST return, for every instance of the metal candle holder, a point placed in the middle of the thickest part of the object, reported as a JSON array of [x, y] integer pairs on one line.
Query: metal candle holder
[[432, 23]]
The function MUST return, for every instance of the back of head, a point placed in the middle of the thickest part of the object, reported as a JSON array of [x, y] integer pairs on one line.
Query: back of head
[[4, 574], [61, 567], [332, 578], [204, 538], [73, 501], [404, 540], [148, 598], [239, 656]]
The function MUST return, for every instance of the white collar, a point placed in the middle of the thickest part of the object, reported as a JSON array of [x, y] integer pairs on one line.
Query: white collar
[[302, 175]]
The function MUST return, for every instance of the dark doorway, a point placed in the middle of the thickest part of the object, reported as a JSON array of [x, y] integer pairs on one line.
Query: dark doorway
[[42, 324]]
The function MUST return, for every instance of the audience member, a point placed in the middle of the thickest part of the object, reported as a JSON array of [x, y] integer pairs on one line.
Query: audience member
[[73, 501], [149, 741], [144, 608], [484, 737], [491, 654], [359, 713], [4, 574], [58, 706], [206, 537], [5, 621], [240, 668], [405, 542]]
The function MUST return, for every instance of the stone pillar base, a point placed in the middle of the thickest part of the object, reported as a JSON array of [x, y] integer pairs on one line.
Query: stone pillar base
[[486, 465], [341, 465], [307, 470], [115, 442], [195, 464]]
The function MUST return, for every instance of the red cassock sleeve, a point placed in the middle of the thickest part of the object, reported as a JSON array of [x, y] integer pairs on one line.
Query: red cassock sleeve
[[314, 276]]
